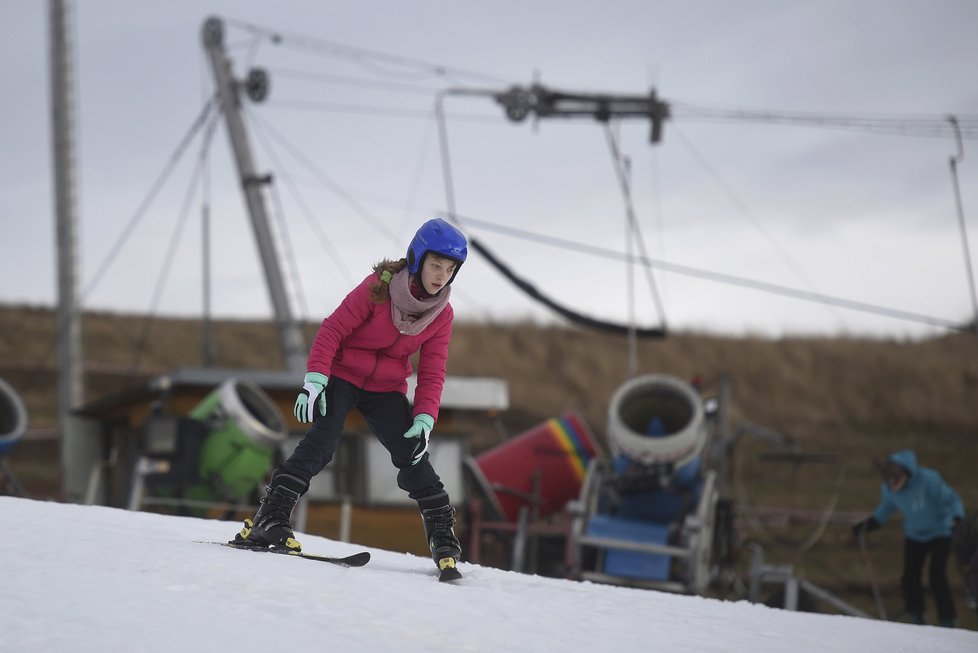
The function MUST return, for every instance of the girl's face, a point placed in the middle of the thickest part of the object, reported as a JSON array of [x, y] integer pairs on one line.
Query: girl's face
[[436, 272]]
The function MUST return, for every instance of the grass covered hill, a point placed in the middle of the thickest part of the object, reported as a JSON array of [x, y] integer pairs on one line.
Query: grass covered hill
[[861, 398], [858, 399]]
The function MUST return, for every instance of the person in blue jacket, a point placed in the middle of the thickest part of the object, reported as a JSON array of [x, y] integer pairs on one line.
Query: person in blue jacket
[[931, 511]]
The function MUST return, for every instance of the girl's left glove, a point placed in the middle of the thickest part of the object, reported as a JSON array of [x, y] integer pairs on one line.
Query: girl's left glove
[[421, 429], [313, 394]]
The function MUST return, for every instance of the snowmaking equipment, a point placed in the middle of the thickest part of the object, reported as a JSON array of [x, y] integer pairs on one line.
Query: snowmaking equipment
[[520, 486], [13, 426], [220, 452], [543, 466], [646, 518]]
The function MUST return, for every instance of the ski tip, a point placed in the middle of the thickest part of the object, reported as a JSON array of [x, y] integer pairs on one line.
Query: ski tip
[[447, 570], [357, 559], [449, 575]]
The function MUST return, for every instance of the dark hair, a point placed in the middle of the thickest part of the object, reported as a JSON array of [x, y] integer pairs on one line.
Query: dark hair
[[380, 291]]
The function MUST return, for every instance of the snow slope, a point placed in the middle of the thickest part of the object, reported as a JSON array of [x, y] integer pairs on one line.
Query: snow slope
[[87, 578]]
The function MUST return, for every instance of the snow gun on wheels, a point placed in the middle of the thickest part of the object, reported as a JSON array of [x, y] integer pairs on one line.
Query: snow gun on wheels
[[216, 457], [646, 519]]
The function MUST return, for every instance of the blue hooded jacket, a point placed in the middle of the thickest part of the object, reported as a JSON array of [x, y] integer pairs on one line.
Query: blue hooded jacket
[[929, 505]]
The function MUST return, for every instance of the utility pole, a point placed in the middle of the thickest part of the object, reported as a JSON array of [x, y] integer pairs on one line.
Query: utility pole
[[623, 171], [290, 336], [961, 224], [208, 351], [80, 451]]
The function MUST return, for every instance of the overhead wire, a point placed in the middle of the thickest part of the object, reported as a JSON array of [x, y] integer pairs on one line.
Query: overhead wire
[[908, 124], [920, 125], [307, 212], [898, 124], [809, 295], [419, 167], [326, 180], [141, 210], [367, 110], [347, 80], [727, 190], [195, 180], [914, 125], [147, 200], [633, 225], [717, 277], [683, 270], [252, 52], [370, 59]]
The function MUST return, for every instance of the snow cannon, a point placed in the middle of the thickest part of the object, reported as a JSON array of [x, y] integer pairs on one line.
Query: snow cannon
[[656, 420], [542, 467], [13, 418], [245, 431], [646, 519]]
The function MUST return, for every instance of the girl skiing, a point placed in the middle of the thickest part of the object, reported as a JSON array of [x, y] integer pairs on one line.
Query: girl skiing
[[360, 358]]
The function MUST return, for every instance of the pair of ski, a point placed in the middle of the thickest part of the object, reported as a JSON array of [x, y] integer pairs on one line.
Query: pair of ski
[[446, 567]]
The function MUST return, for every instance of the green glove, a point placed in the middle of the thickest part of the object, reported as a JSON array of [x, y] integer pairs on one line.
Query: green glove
[[313, 393], [421, 429]]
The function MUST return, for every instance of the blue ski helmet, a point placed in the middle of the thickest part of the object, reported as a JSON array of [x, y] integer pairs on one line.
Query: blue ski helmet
[[437, 236]]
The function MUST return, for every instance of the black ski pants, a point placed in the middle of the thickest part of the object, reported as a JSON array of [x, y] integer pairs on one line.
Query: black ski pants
[[914, 556], [388, 415]]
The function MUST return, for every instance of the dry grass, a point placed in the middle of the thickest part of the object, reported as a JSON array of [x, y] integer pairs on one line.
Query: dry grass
[[857, 398]]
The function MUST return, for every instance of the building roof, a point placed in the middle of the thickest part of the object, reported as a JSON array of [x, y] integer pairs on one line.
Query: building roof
[[460, 393]]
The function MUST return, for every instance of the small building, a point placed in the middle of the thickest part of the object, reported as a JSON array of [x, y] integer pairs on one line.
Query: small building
[[128, 424]]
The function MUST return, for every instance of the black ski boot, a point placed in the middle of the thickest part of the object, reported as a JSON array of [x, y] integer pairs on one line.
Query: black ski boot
[[272, 525], [439, 522]]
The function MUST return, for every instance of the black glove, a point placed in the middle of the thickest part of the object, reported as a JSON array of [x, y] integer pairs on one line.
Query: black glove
[[866, 525]]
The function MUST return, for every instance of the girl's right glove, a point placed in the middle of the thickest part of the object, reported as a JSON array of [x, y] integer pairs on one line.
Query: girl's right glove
[[313, 394], [421, 429]]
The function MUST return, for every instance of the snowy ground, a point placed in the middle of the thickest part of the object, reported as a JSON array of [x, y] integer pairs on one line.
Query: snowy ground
[[84, 578]]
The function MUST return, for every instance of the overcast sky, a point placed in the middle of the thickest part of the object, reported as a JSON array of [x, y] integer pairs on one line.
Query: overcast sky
[[353, 145]]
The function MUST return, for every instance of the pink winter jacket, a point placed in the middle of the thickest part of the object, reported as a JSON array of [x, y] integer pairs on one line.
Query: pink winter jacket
[[359, 343]]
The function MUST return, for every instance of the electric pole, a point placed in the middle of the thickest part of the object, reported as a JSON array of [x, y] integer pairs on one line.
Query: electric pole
[[80, 450], [290, 336]]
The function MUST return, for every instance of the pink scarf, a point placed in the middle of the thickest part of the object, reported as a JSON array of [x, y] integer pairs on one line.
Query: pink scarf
[[412, 315]]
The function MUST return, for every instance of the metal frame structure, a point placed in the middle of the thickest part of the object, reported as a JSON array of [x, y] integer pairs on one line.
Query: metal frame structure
[[695, 533]]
